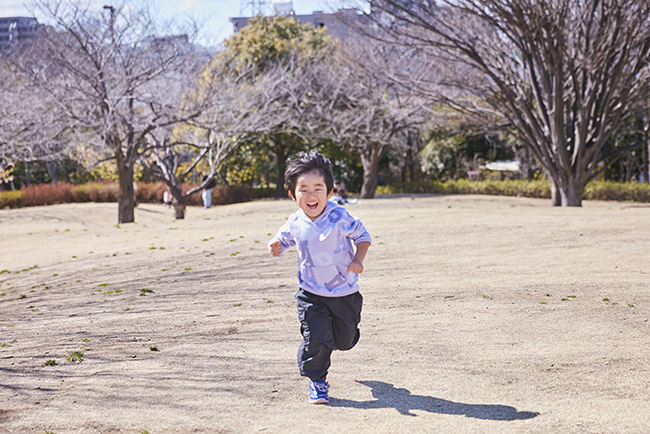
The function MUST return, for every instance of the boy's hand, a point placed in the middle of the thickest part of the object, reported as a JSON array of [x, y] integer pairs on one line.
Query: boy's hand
[[275, 248], [355, 267]]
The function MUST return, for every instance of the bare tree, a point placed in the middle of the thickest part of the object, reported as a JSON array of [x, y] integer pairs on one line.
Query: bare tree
[[563, 73], [168, 162], [290, 128], [112, 78], [29, 130], [238, 109], [267, 43], [284, 114], [354, 100]]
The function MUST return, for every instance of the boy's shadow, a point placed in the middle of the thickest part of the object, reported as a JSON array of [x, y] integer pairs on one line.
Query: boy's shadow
[[388, 396]]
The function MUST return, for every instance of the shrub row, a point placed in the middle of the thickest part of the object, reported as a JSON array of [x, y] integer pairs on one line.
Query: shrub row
[[10, 199], [540, 189], [607, 190], [52, 194], [596, 190]]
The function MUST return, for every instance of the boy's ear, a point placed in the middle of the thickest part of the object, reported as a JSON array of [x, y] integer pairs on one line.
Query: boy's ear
[[291, 196], [330, 193]]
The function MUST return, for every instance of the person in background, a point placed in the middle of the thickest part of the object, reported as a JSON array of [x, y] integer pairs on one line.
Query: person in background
[[340, 195], [167, 197], [207, 191], [135, 193]]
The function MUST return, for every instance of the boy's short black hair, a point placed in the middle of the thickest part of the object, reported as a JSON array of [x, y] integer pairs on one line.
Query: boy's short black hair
[[305, 162]]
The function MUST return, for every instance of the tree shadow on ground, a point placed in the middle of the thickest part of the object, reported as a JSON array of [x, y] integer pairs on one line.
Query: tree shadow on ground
[[388, 396]]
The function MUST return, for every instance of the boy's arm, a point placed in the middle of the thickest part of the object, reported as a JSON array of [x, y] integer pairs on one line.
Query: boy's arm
[[356, 266], [281, 241], [275, 247]]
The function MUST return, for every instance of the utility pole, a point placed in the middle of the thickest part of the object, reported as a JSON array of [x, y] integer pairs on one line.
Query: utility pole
[[111, 22], [254, 7]]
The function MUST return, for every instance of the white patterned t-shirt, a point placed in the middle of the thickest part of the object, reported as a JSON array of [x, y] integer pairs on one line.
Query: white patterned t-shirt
[[324, 249]]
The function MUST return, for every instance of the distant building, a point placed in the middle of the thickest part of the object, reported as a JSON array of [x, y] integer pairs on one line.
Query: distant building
[[503, 166], [15, 29], [336, 28]]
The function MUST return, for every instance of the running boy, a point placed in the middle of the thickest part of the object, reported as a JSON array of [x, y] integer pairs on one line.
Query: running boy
[[329, 303]]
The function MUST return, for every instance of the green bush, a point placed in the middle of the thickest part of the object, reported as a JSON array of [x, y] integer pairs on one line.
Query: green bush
[[609, 190], [95, 192], [80, 193], [10, 199], [104, 192], [49, 194], [595, 190]]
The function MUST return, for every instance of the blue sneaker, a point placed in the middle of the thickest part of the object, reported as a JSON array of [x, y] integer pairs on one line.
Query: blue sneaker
[[318, 392]]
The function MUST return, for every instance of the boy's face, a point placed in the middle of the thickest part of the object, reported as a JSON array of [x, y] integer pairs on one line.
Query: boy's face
[[311, 194]]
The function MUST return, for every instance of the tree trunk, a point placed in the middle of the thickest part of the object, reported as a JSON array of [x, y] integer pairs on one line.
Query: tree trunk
[[179, 201], [370, 162], [555, 195], [179, 208], [64, 171], [281, 164], [125, 199], [566, 193], [53, 168], [645, 170], [414, 138], [648, 161]]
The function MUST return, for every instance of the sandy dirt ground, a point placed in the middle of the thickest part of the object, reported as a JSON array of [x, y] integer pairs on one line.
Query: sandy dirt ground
[[481, 315]]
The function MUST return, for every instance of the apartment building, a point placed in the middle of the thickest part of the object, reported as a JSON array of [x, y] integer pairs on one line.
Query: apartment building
[[14, 29], [336, 27]]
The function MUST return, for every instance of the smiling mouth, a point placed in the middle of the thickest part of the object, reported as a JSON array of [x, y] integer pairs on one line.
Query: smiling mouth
[[312, 206]]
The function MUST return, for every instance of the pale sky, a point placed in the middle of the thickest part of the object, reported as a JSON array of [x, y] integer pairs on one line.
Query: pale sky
[[215, 13]]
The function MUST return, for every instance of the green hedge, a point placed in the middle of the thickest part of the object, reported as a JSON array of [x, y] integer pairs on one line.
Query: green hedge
[[10, 199], [596, 190], [607, 190], [50, 194]]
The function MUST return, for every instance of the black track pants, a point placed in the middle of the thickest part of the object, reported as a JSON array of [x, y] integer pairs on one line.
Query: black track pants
[[326, 323]]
